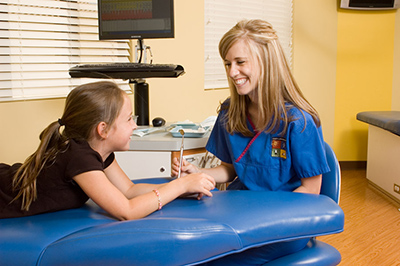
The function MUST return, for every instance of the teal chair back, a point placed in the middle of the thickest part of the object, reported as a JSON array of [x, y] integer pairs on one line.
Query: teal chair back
[[331, 180]]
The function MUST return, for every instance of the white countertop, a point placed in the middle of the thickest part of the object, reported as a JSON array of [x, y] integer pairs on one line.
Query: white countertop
[[163, 141]]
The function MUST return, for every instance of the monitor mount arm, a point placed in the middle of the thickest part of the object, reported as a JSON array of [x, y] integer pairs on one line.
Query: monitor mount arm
[[141, 87], [141, 52], [141, 101]]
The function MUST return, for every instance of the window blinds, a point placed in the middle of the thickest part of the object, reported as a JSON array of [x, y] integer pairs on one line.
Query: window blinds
[[221, 15], [41, 39]]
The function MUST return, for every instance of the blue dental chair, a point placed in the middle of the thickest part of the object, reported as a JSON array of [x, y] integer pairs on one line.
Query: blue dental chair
[[318, 253], [184, 232]]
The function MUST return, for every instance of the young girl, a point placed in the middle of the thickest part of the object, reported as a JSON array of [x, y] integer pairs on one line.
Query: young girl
[[75, 162], [266, 134]]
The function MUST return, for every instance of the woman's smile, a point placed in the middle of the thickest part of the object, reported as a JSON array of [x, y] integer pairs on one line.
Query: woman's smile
[[240, 81]]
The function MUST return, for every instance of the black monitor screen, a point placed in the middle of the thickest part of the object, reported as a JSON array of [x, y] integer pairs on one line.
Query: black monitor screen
[[371, 3], [135, 19]]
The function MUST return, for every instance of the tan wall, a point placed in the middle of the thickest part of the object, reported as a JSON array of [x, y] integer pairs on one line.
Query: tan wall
[[314, 53], [318, 40], [21, 124]]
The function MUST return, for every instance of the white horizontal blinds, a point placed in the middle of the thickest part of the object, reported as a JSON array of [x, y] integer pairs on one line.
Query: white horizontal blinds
[[221, 15], [41, 40]]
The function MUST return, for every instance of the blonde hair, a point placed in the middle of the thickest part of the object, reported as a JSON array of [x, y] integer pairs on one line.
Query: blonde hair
[[276, 84], [85, 107]]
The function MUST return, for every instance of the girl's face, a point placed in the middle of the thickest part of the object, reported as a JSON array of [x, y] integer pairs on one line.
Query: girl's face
[[241, 69], [121, 131]]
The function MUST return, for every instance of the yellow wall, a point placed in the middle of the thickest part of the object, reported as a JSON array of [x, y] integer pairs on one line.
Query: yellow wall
[[345, 61], [396, 65], [329, 45], [364, 76]]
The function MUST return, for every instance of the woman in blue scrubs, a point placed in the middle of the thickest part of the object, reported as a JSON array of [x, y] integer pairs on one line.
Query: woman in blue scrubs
[[267, 135]]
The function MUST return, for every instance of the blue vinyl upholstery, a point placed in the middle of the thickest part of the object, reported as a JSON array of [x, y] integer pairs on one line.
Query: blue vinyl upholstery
[[184, 232], [317, 253], [331, 181]]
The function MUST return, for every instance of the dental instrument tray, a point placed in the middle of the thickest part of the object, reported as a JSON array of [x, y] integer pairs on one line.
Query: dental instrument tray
[[196, 131]]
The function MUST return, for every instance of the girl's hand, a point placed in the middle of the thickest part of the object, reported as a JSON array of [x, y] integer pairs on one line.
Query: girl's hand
[[187, 168], [197, 183]]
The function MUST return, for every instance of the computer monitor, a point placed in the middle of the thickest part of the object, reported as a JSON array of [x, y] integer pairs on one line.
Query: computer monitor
[[135, 19], [370, 4]]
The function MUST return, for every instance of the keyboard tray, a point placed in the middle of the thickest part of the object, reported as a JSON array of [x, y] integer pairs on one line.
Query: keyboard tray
[[126, 71]]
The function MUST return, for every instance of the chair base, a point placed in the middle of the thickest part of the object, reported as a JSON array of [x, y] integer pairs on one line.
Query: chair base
[[315, 253]]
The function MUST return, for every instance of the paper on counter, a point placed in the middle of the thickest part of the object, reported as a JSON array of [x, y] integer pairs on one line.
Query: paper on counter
[[145, 131]]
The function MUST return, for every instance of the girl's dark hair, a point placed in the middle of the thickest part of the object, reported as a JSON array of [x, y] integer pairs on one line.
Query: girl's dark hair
[[85, 107]]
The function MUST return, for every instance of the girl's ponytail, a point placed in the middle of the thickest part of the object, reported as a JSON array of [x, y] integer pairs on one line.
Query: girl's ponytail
[[24, 181]]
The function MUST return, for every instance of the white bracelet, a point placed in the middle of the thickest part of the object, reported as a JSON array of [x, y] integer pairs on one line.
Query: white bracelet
[[159, 199]]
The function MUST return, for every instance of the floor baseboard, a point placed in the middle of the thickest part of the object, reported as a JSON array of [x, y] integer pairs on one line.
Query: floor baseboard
[[353, 165]]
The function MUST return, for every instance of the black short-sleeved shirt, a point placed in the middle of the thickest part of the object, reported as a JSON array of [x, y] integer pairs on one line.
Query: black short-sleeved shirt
[[56, 189]]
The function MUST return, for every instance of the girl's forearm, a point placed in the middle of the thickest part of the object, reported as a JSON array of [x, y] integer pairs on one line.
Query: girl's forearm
[[140, 189]]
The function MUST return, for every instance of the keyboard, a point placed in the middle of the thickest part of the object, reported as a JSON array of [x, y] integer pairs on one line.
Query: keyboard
[[126, 70]]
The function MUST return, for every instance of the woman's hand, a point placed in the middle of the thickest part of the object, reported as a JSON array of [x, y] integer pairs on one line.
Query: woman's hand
[[187, 168]]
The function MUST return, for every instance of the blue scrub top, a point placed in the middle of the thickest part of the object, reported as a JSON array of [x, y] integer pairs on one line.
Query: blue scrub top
[[273, 162]]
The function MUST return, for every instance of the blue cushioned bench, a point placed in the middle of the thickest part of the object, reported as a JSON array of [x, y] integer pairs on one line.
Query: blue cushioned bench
[[184, 232], [383, 159]]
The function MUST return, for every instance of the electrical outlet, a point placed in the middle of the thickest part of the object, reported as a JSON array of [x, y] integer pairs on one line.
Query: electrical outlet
[[396, 188]]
